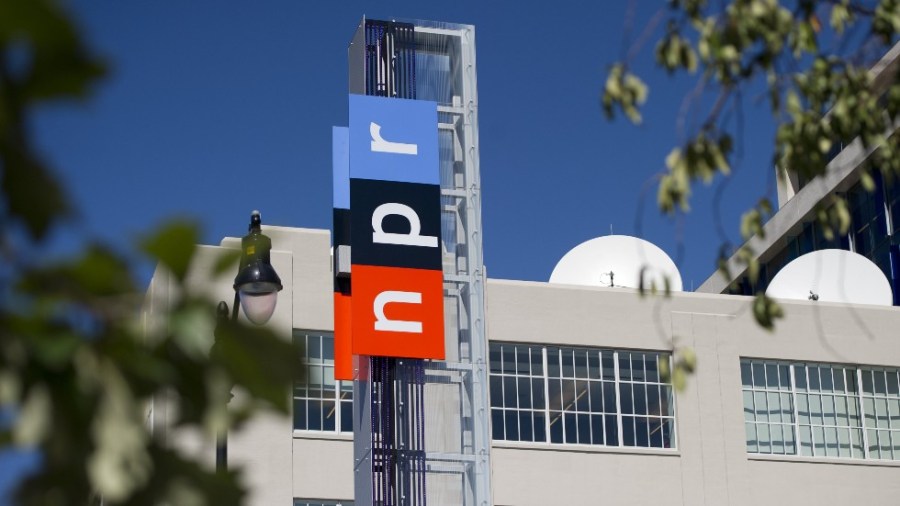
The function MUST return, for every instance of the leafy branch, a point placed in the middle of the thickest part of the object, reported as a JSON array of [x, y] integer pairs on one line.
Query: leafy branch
[[78, 367], [818, 98]]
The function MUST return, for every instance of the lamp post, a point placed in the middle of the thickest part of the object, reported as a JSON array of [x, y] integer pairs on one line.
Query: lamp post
[[256, 288]]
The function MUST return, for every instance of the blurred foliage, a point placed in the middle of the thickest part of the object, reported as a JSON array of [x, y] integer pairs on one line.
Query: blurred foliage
[[684, 363], [78, 366], [812, 58]]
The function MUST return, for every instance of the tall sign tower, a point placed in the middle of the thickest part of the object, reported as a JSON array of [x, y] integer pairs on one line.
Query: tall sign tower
[[421, 430]]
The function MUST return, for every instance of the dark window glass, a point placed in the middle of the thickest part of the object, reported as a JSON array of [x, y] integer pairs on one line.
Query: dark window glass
[[509, 359], [537, 390], [495, 358], [497, 424], [594, 365], [523, 361], [581, 370], [640, 399], [346, 417], [512, 425], [612, 430], [624, 367], [571, 428], [597, 429], [625, 396], [525, 426], [539, 427], [556, 427], [642, 432], [628, 431]]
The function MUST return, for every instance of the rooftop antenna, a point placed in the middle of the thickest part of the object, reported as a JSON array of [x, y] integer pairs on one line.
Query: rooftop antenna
[[611, 275]]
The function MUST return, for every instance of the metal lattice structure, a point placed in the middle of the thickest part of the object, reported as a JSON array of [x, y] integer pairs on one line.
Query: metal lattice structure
[[428, 420]]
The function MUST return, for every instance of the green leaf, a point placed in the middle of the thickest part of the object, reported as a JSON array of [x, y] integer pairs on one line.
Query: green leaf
[[65, 73], [59, 65], [10, 388], [120, 463], [689, 359], [840, 14], [753, 270], [226, 261], [99, 272], [750, 224], [664, 371], [192, 329], [841, 216], [34, 420], [867, 182], [684, 365], [673, 158], [624, 90], [256, 359], [32, 194], [173, 246], [766, 311]]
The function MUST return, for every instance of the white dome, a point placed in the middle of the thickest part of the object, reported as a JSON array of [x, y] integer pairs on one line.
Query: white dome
[[835, 276], [591, 262]]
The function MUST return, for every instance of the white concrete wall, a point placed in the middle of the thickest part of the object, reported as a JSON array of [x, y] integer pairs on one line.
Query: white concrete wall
[[710, 466]]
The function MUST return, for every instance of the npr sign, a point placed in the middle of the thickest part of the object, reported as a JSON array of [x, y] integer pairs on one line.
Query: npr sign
[[395, 228]]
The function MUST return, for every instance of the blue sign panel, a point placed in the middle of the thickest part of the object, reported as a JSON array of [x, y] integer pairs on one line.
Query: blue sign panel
[[394, 140], [340, 162]]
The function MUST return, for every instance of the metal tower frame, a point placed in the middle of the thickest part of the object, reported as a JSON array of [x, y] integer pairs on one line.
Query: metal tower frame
[[457, 456]]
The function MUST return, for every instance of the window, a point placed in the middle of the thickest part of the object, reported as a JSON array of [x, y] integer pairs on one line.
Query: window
[[881, 407], [320, 402], [580, 396], [814, 410]]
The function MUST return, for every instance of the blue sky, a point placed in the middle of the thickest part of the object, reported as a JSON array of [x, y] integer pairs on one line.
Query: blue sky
[[213, 109]]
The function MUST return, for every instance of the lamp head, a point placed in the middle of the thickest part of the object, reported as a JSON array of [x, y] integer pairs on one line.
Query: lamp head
[[257, 283]]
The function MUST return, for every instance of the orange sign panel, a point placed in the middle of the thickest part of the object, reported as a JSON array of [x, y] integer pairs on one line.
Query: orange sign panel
[[398, 312], [343, 355]]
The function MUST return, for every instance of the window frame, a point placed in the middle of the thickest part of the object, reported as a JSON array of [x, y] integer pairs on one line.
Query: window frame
[[340, 396], [853, 390], [584, 381]]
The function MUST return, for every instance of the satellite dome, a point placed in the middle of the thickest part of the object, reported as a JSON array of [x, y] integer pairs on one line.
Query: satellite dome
[[832, 275], [616, 260]]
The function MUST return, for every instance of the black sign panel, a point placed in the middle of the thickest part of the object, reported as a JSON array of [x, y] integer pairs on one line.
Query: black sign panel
[[402, 226]]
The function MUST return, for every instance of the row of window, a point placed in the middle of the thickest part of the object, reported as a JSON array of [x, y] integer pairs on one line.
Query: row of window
[[579, 396], [616, 398], [821, 410]]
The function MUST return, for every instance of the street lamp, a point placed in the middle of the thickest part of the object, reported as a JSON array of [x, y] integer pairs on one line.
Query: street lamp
[[256, 288]]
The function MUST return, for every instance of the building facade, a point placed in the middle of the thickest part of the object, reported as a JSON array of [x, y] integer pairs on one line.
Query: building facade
[[557, 394], [806, 414]]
